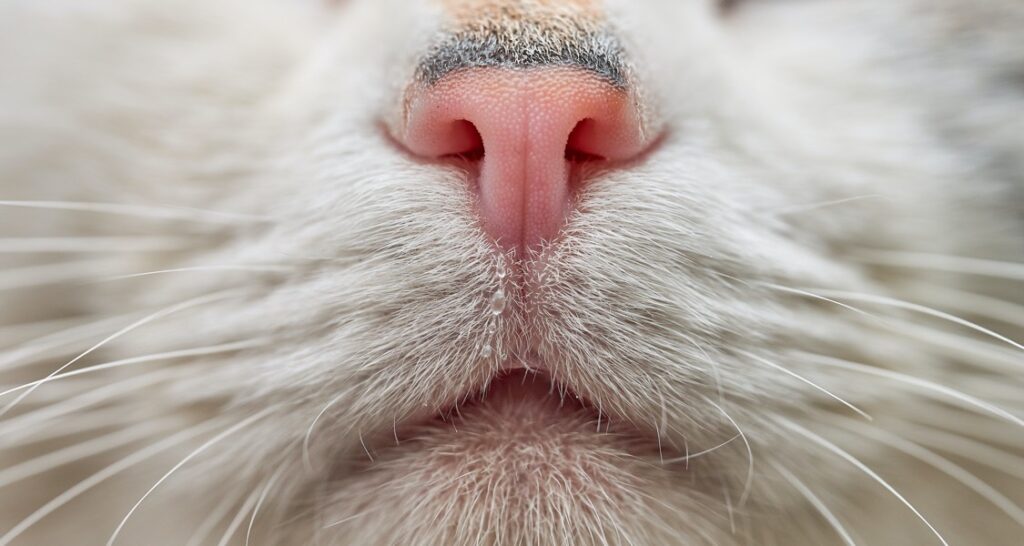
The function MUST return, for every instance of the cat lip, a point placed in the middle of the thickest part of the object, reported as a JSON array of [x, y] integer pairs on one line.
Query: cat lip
[[531, 390], [514, 384]]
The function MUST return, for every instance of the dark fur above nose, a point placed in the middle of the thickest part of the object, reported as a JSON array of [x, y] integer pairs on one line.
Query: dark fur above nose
[[521, 37]]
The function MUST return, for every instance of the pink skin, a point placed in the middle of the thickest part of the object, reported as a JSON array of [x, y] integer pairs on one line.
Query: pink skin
[[527, 122]]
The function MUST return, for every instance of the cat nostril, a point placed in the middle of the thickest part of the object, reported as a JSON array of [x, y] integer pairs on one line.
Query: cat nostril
[[464, 141], [576, 149], [527, 128]]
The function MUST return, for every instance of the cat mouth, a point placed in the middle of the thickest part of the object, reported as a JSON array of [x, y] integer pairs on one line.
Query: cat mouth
[[520, 392], [516, 408]]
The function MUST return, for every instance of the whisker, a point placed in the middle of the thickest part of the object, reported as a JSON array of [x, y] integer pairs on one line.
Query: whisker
[[14, 334], [88, 245], [713, 365], [106, 473], [977, 426], [11, 426], [969, 448], [964, 398], [198, 451], [750, 454], [312, 426], [216, 515], [938, 262], [817, 503], [971, 351], [797, 209], [348, 519], [42, 344], [812, 295], [947, 339], [660, 426], [963, 343], [195, 302], [909, 306], [862, 467], [807, 381], [263, 496], [184, 353], [689, 457], [236, 522], [969, 302], [244, 268], [366, 450], [80, 451], [49, 274], [945, 466], [142, 211], [85, 421], [728, 507]]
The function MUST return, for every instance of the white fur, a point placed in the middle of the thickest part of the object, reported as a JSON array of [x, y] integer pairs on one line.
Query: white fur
[[834, 176]]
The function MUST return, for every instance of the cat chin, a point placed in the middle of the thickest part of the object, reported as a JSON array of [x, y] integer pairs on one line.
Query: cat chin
[[515, 472], [526, 461]]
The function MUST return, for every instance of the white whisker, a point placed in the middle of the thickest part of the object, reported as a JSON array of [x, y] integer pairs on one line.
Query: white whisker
[[195, 302], [797, 209], [88, 245], [42, 344], [817, 503], [348, 519], [142, 211], [198, 451], [729, 509], [819, 297], [236, 522], [807, 381], [973, 425], [713, 365], [971, 350], [965, 399], [48, 274], [85, 422], [969, 302], [750, 453], [312, 426], [206, 268], [171, 355], [263, 496], [26, 421], [80, 451], [909, 306], [968, 448], [217, 514], [945, 466], [105, 474], [862, 467], [14, 334], [365, 449], [690, 456], [938, 262]]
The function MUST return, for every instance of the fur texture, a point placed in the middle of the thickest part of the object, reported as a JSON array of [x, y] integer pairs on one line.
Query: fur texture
[[808, 295]]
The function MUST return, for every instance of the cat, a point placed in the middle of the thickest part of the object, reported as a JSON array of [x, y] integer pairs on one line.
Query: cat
[[511, 272]]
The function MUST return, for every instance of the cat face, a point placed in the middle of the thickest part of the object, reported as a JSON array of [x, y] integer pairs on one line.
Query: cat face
[[524, 272]]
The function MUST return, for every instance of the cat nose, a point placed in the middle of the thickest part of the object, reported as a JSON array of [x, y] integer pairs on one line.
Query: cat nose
[[529, 129]]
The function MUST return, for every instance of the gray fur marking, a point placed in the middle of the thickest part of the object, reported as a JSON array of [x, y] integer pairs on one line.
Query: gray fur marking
[[596, 51]]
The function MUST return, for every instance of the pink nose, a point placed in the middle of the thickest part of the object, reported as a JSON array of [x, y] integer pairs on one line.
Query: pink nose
[[530, 125]]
